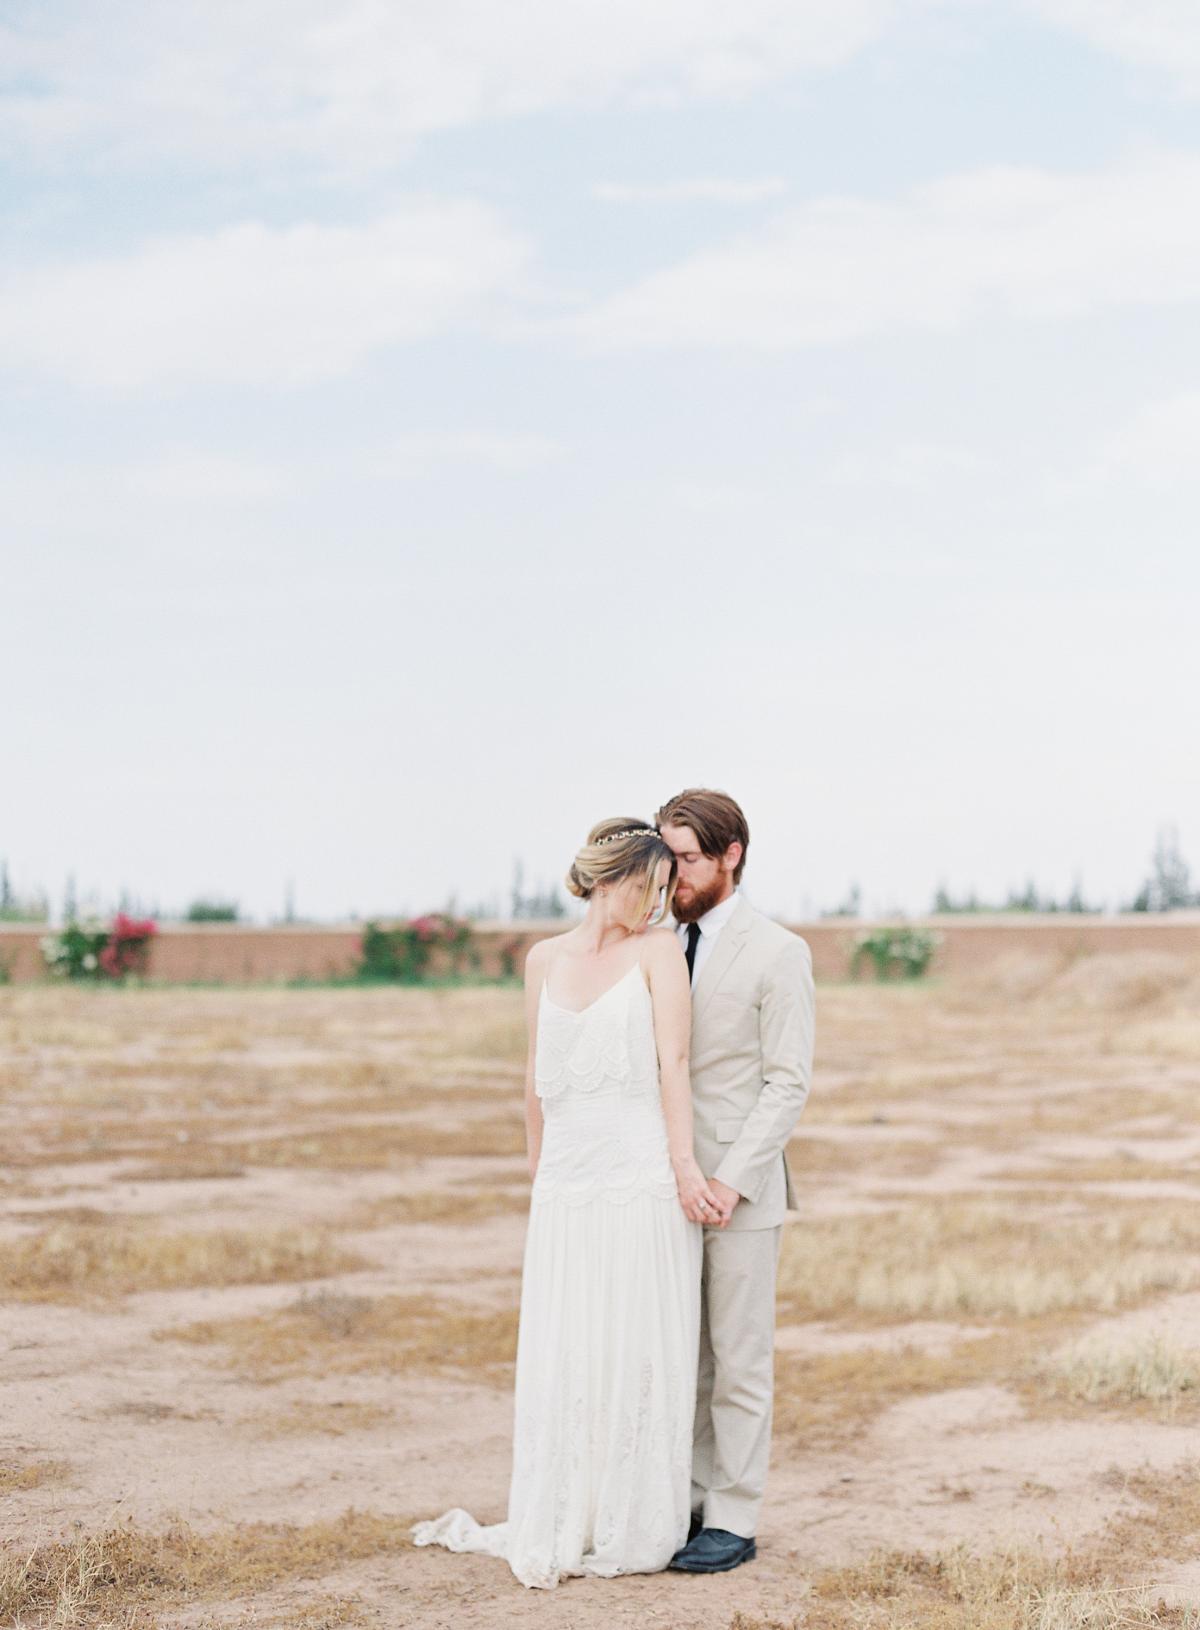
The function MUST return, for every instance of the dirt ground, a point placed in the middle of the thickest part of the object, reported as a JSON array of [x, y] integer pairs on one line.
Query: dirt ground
[[260, 1255]]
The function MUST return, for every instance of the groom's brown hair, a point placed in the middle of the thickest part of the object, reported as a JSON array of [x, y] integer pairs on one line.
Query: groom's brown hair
[[715, 818]]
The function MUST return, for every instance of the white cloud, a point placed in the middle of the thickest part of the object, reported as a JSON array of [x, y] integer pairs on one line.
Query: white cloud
[[350, 87], [1156, 450], [996, 243], [131, 495], [912, 466], [710, 191], [720, 498], [510, 453], [348, 90], [252, 305], [1162, 34], [189, 476]]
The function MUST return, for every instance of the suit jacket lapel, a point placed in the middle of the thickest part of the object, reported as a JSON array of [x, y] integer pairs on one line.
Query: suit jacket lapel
[[720, 959]]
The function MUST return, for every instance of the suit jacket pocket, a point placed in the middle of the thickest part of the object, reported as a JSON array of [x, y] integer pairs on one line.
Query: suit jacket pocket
[[728, 1128], [728, 997]]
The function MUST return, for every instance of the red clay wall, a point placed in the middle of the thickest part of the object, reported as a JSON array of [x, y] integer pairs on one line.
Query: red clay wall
[[231, 953]]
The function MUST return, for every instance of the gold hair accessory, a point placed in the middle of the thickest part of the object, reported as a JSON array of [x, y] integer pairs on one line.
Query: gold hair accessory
[[629, 832]]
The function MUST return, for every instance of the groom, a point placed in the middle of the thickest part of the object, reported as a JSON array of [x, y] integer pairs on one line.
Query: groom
[[751, 1064]]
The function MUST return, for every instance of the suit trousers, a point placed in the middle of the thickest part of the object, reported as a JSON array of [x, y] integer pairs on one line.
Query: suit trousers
[[735, 1386]]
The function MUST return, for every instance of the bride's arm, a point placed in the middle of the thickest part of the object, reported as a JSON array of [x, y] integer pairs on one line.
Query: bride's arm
[[535, 968], [672, 998]]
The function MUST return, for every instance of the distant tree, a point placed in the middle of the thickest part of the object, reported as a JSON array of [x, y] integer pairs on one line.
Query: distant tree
[[945, 903], [851, 906], [1028, 901], [70, 901], [1169, 886], [1030, 898], [1076, 901], [542, 902], [18, 908]]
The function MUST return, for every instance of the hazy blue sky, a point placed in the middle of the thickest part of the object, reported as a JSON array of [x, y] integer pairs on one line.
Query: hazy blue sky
[[427, 428]]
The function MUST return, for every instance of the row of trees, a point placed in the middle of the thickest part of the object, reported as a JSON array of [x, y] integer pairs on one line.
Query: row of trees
[[540, 901], [1168, 887], [35, 907]]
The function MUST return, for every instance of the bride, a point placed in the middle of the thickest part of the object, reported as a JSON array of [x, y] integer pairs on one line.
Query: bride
[[607, 1346]]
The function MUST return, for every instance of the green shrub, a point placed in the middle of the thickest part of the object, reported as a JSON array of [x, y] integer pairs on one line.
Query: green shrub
[[902, 951], [212, 911], [417, 950], [91, 951]]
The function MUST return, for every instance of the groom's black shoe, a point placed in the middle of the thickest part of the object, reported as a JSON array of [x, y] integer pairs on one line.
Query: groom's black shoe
[[714, 1550], [694, 1527]]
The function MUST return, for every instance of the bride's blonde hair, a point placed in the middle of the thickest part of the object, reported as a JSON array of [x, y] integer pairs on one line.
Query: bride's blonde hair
[[617, 849]]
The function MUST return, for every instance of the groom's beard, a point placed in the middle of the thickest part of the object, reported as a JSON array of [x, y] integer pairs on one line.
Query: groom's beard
[[694, 907]]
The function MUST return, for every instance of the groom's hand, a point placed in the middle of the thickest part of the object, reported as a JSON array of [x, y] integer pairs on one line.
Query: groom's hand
[[727, 1197]]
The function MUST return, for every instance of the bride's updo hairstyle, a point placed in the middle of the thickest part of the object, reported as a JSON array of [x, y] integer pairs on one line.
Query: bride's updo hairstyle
[[617, 849]]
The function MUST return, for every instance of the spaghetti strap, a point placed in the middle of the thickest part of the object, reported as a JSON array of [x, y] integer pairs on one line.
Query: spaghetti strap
[[607, 991]]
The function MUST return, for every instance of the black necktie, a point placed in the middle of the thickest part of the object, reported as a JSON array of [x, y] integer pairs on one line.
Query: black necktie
[[693, 941]]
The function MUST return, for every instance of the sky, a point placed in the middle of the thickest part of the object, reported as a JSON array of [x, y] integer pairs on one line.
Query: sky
[[429, 428]]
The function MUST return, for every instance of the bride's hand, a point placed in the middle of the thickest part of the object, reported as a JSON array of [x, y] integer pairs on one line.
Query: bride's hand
[[699, 1202]]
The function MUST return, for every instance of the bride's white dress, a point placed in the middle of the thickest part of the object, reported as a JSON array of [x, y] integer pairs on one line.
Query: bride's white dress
[[610, 1314]]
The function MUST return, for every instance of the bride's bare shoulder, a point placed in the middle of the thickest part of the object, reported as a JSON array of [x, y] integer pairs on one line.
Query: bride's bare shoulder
[[662, 944], [540, 952]]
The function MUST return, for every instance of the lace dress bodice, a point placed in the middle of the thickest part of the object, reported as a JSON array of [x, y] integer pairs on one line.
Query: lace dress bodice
[[596, 1073]]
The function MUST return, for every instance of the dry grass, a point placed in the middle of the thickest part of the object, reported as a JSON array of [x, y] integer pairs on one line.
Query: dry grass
[[1104, 1586], [827, 1397], [1009, 1590], [180, 1152], [142, 1134], [149, 1409], [202, 1141], [1056, 985], [330, 1333], [986, 1259], [1167, 1523], [77, 1261], [384, 1145], [85, 1216], [1149, 1370], [189, 1170], [306, 1417], [1118, 1169], [439, 1206], [1119, 982], [893, 1156], [321, 1613], [31, 1474], [125, 1569]]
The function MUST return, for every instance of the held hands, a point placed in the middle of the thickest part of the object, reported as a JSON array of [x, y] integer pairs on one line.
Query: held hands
[[727, 1198], [703, 1201]]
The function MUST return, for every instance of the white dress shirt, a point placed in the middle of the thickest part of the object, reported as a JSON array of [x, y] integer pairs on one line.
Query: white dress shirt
[[710, 925]]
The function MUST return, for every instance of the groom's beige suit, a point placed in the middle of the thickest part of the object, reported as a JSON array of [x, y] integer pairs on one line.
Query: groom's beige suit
[[751, 1066]]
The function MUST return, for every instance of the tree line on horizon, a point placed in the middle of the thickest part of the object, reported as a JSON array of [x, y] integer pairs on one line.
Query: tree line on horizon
[[1167, 887]]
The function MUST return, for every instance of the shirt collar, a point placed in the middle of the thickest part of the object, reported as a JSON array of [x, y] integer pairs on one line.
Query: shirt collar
[[713, 921]]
